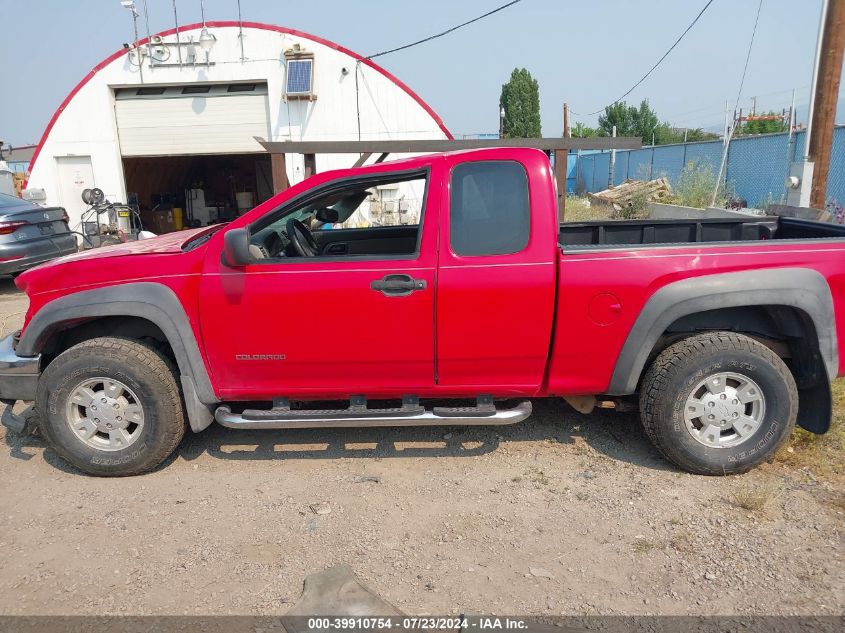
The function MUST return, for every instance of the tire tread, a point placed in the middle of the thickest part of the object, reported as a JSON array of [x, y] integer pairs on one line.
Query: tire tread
[[156, 366], [674, 358]]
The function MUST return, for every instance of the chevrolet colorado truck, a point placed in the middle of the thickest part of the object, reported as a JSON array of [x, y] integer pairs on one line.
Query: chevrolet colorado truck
[[438, 290]]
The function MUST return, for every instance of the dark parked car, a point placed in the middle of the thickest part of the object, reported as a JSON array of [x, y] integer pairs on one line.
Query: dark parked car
[[30, 235]]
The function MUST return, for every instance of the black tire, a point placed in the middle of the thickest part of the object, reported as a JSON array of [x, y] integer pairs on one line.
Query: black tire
[[677, 371], [146, 372]]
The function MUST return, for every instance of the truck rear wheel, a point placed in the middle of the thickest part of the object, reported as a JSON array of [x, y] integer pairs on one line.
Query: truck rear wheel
[[718, 403], [111, 407]]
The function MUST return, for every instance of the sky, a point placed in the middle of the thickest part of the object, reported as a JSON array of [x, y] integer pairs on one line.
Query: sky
[[586, 53]]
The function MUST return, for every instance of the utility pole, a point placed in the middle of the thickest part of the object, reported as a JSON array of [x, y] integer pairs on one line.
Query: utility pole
[[562, 166], [790, 144], [826, 90], [566, 132], [611, 173]]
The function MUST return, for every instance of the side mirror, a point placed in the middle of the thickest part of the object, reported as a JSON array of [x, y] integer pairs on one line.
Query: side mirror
[[236, 248]]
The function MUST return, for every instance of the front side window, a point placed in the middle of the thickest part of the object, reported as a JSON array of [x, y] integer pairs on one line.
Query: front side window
[[390, 204], [489, 212], [380, 215]]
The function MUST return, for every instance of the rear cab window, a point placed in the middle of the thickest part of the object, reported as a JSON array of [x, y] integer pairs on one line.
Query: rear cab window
[[490, 210]]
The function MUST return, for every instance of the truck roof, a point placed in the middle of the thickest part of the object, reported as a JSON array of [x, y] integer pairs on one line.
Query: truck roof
[[493, 153]]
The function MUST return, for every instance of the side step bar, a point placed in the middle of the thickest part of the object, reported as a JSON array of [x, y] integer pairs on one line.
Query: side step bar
[[281, 416]]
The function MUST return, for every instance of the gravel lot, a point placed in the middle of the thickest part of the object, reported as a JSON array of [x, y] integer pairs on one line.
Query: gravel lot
[[563, 514]]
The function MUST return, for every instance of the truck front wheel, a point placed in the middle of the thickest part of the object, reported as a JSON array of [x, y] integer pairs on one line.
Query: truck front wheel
[[111, 407], [718, 403]]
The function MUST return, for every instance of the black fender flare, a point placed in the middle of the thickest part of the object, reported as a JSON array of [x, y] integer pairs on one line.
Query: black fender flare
[[151, 301], [801, 288]]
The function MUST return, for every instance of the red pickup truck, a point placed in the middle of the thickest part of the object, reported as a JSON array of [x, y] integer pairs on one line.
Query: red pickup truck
[[405, 289]]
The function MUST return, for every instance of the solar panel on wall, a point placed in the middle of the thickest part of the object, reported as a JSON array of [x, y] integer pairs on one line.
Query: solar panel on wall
[[299, 76]]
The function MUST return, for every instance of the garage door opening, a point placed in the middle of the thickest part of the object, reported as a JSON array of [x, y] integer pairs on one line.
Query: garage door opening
[[189, 152], [176, 192]]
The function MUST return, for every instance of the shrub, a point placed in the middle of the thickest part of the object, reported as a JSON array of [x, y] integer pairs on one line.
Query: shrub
[[695, 187], [638, 207], [756, 498], [579, 209]]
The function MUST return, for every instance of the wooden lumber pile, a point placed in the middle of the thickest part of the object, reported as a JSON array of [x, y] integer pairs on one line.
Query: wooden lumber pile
[[624, 196]]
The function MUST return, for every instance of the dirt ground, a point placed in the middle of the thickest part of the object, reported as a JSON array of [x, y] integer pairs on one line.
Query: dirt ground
[[562, 514]]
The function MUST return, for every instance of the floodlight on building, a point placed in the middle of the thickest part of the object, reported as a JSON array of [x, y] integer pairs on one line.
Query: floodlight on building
[[207, 40]]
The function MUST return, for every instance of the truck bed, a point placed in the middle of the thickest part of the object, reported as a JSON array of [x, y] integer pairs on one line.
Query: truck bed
[[639, 232]]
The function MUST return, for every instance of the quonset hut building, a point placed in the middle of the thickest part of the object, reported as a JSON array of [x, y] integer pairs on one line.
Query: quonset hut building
[[172, 121]]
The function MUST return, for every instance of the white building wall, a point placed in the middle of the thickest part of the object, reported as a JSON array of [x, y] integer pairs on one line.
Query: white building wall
[[86, 126]]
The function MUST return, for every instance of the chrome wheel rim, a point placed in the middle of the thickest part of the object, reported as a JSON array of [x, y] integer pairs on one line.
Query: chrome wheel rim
[[105, 414], [724, 410]]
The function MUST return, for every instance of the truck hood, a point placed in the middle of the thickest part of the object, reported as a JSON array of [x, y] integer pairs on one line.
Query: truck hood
[[169, 243], [107, 264]]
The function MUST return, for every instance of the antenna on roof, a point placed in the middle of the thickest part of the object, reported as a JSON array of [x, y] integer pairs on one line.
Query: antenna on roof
[[130, 6], [241, 31], [149, 37], [176, 24]]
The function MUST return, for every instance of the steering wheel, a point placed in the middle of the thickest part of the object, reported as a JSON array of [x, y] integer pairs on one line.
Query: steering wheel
[[301, 238]]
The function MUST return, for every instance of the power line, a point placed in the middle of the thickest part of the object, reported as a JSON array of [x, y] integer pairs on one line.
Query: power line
[[446, 32], [730, 132], [748, 57], [659, 61]]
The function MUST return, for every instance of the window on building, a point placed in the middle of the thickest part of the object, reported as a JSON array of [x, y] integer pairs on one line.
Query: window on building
[[146, 92], [490, 213]]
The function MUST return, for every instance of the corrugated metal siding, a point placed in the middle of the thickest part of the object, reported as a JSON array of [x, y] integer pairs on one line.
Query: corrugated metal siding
[[639, 164], [198, 125], [620, 173]]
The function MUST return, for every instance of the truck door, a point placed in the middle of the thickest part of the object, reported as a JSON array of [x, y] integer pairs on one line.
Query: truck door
[[328, 325], [496, 274]]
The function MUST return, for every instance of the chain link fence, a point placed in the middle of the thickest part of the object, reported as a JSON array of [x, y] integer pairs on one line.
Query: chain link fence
[[756, 168]]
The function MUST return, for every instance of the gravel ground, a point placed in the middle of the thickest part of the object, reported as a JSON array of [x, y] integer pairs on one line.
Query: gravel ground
[[562, 514]]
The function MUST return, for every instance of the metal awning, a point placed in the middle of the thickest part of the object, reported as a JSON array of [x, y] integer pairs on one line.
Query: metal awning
[[445, 145], [559, 146]]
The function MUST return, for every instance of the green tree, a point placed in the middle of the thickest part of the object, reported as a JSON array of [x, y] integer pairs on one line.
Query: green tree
[[643, 121], [582, 131], [639, 121], [618, 115], [697, 134], [769, 126], [521, 101]]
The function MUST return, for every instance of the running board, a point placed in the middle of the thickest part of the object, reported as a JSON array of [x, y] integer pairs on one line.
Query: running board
[[357, 415]]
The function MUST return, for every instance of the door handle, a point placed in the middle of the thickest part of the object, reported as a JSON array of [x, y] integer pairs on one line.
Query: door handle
[[397, 285]]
